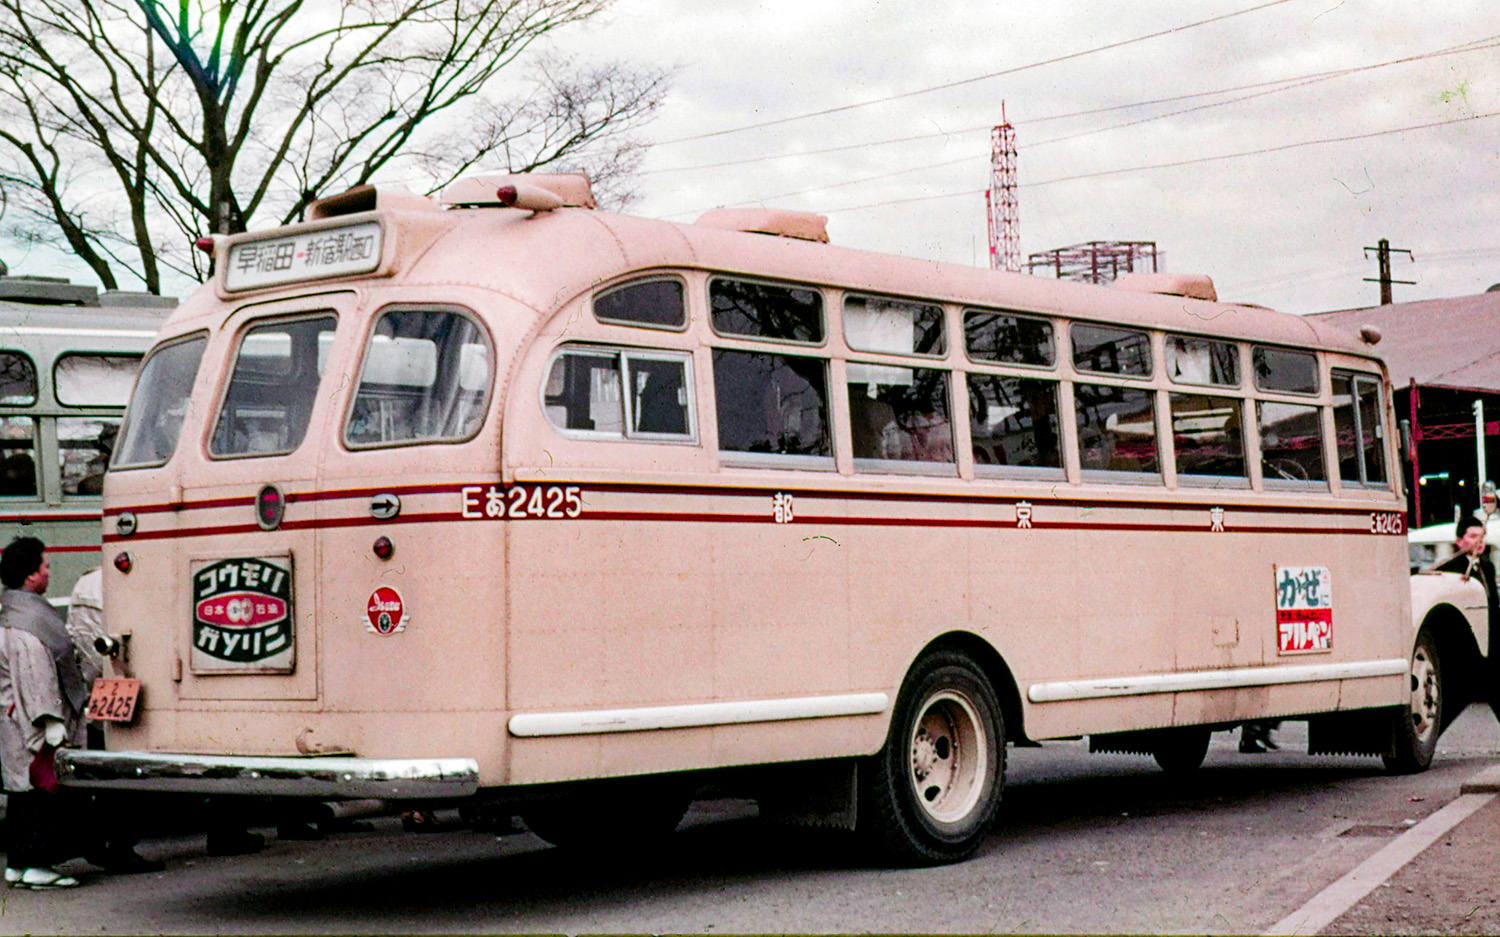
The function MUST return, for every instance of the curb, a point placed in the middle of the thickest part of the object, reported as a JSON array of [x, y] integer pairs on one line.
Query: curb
[[1485, 782]]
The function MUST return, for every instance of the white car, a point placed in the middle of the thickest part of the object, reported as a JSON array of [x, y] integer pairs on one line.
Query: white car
[[1452, 664]]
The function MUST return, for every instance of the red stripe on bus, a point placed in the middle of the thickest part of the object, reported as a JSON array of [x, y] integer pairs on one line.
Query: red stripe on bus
[[767, 518], [753, 491], [42, 518]]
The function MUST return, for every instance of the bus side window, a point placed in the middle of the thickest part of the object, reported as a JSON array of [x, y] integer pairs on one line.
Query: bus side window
[[1013, 422], [1291, 442], [1116, 428], [17, 457], [84, 444], [1357, 423], [654, 304], [771, 403], [899, 413], [583, 393]]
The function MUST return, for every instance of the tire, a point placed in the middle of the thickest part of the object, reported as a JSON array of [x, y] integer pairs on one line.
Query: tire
[[931, 794], [635, 813], [1180, 751], [1422, 717]]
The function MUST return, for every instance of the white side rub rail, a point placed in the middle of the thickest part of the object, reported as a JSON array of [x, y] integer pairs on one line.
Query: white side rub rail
[[590, 722], [1213, 680]]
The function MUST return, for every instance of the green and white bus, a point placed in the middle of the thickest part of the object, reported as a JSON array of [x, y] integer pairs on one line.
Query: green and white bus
[[68, 357]]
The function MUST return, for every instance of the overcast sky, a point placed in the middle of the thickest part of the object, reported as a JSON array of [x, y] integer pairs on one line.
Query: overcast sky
[[1285, 229]]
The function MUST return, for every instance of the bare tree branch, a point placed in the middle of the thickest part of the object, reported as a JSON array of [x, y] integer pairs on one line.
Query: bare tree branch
[[129, 127]]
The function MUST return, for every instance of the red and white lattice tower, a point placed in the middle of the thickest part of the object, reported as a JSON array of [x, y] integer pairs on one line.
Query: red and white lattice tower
[[1000, 198]]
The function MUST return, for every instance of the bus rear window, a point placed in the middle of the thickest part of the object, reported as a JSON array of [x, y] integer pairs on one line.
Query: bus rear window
[[426, 378], [154, 420], [274, 386]]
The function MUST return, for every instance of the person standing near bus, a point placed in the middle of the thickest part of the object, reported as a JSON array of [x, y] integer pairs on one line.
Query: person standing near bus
[[85, 627], [43, 697]]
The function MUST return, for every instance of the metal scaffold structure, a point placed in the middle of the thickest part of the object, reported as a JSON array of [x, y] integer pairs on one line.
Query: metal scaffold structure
[[1096, 261], [1000, 198]]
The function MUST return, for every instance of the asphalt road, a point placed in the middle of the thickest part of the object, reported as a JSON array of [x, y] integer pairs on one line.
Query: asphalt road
[[1086, 843]]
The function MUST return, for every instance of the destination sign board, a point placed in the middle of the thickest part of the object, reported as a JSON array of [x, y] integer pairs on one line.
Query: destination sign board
[[306, 255]]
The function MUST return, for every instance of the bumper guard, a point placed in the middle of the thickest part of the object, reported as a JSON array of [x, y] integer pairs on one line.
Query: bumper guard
[[329, 778]]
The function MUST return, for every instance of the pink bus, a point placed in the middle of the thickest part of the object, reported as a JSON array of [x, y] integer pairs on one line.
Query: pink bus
[[503, 501]]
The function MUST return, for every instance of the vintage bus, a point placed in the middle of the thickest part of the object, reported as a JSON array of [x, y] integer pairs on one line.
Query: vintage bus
[[68, 357], [498, 499]]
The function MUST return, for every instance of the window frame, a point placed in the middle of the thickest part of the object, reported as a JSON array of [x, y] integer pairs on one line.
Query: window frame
[[1239, 378], [1145, 332], [868, 465], [211, 426], [738, 458], [1124, 476], [820, 291], [1256, 347], [1051, 323], [173, 342], [638, 281], [1307, 485], [1033, 373], [1209, 479], [624, 354], [36, 378], [942, 320], [364, 359], [1356, 378]]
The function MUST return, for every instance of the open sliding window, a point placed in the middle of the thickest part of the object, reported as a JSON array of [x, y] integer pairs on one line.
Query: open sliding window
[[1116, 422], [1360, 430], [1013, 418], [1208, 438], [602, 392], [1291, 433]]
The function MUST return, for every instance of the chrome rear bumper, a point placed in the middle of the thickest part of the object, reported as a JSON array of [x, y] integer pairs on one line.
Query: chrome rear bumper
[[328, 778]]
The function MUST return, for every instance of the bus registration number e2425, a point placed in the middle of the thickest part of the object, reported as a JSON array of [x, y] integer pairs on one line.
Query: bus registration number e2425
[[519, 502]]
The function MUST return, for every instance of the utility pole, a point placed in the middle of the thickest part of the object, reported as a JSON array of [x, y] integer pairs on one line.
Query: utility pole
[[1383, 254]]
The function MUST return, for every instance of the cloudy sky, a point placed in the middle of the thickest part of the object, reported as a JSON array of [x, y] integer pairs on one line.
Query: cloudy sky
[[1285, 227], [1263, 142]]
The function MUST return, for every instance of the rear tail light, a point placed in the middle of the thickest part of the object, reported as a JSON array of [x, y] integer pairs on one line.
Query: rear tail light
[[270, 507]]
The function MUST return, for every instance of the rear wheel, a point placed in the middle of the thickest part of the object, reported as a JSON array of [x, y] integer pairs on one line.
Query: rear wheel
[[931, 793], [1179, 751], [1417, 731]]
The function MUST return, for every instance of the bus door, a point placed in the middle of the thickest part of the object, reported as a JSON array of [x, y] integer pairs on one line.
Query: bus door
[[410, 567], [246, 545]]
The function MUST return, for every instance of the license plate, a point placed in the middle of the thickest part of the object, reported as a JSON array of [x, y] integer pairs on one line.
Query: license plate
[[114, 700]]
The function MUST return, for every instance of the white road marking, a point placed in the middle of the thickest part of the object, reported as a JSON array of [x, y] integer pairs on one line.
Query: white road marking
[[1326, 906]]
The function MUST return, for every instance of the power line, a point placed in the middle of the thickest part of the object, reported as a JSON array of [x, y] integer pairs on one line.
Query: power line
[[966, 81], [1270, 87], [1169, 165]]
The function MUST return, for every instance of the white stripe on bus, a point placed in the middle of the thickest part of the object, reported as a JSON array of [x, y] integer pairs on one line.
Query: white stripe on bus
[[1213, 680], [590, 722], [76, 333]]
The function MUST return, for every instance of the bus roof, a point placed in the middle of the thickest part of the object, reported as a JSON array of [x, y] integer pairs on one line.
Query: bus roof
[[486, 246]]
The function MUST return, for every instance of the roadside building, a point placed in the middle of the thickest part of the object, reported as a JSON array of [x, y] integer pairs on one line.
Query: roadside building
[[1444, 358]]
